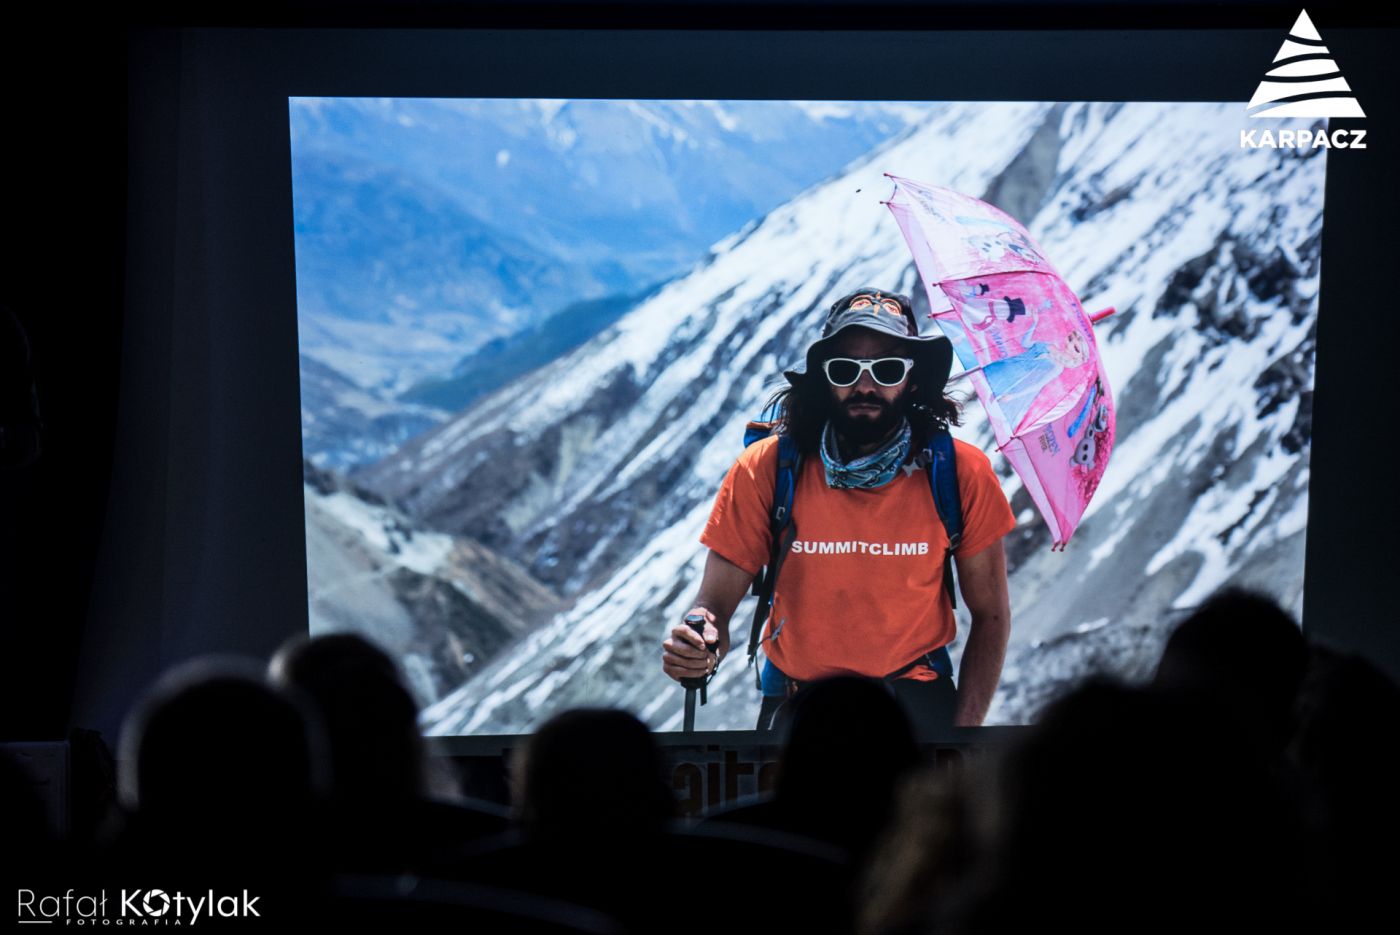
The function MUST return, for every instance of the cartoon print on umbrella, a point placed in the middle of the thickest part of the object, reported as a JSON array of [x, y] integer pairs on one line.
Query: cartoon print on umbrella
[[1023, 339], [1018, 380], [995, 246]]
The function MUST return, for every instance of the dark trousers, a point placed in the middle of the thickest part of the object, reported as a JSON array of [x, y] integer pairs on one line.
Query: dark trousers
[[929, 705]]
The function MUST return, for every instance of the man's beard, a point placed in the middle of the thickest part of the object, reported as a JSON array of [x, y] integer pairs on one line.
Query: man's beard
[[864, 429]]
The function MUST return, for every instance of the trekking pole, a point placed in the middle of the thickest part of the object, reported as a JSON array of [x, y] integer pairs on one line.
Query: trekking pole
[[696, 623]]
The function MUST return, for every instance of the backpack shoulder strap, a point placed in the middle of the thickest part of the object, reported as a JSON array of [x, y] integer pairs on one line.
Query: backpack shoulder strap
[[943, 481], [781, 530], [785, 481]]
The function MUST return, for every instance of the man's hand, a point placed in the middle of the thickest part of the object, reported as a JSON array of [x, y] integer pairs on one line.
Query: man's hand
[[686, 655]]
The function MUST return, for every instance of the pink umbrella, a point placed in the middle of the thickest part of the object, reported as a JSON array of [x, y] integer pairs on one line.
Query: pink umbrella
[[1023, 340]]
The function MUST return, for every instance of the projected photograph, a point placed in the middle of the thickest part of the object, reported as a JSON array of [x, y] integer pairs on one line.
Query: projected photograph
[[533, 332]]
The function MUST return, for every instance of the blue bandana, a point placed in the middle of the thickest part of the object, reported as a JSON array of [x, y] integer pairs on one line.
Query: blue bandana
[[874, 470]]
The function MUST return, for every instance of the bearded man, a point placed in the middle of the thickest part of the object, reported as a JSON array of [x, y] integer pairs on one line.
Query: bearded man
[[864, 589]]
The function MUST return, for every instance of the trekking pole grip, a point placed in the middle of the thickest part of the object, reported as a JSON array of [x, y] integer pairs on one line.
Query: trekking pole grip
[[697, 623]]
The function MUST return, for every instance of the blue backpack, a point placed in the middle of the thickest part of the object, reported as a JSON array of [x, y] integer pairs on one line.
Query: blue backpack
[[937, 457]]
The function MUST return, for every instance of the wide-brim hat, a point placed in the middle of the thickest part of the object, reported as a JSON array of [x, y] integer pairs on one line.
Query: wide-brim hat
[[869, 308]]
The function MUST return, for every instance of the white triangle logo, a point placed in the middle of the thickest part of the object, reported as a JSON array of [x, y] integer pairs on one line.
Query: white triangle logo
[[1304, 81]]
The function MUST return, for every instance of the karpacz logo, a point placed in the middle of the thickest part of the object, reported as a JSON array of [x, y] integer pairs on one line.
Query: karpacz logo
[[1304, 82], [134, 907], [1302, 139]]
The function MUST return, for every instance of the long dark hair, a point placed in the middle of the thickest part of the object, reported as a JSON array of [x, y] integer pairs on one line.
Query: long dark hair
[[802, 410]]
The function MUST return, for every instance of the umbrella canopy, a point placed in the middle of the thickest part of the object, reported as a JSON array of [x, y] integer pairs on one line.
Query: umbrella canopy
[[1026, 343]]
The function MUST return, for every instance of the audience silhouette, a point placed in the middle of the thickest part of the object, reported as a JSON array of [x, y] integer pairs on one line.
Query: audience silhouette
[[1249, 784], [379, 815], [1246, 653], [848, 744], [219, 775], [591, 772]]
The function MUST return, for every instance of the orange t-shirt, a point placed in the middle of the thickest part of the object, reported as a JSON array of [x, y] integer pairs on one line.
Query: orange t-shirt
[[861, 589]]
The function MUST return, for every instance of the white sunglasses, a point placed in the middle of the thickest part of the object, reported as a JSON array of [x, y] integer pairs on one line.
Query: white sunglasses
[[886, 371]]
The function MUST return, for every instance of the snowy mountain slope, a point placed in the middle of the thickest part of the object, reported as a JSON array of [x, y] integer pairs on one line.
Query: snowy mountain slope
[[443, 606], [598, 470]]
